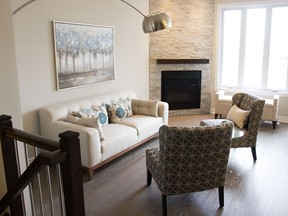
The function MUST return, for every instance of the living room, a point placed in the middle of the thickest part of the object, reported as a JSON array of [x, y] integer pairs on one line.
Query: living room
[[28, 63]]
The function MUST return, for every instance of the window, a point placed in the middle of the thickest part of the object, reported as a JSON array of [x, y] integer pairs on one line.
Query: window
[[253, 50]]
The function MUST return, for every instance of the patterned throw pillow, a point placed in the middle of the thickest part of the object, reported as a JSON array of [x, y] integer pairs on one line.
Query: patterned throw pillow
[[238, 116], [101, 113], [83, 113], [119, 110], [87, 121]]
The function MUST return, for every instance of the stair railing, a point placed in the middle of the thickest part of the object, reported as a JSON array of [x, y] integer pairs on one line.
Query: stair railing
[[64, 155]]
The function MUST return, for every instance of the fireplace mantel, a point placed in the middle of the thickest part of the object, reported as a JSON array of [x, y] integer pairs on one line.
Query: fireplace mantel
[[182, 61]]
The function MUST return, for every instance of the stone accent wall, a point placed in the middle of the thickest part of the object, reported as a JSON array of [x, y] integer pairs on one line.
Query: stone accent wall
[[190, 37]]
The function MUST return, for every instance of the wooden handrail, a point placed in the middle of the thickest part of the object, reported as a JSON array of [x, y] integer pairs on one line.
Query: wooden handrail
[[31, 139]]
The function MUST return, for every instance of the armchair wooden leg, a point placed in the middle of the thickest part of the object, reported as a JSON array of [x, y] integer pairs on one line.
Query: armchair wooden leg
[[221, 196], [149, 178], [274, 123], [253, 149], [164, 205]]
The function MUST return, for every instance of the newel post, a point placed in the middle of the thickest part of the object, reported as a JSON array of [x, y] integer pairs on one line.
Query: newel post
[[72, 174], [11, 164]]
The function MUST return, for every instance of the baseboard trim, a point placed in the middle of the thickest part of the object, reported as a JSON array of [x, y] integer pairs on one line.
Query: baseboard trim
[[283, 119]]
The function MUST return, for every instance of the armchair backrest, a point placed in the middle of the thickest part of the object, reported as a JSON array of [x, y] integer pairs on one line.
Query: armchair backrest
[[255, 105], [194, 159]]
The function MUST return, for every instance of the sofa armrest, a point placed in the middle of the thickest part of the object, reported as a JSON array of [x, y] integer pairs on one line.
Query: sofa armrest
[[275, 106], [219, 94], [275, 100], [90, 144], [163, 111]]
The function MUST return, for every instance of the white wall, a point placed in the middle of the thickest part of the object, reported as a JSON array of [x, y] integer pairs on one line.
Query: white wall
[[9, 91], [35, 51]]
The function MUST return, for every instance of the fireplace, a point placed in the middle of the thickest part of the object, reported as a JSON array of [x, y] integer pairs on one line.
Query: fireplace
[[181, 89]]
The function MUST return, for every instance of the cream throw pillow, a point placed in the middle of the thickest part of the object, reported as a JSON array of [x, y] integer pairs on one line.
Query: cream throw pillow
[[238, 116], [145, 107], [89, 122]]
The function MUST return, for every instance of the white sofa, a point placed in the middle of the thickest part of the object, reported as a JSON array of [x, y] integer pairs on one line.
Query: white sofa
[[223, 103], [120, 137]]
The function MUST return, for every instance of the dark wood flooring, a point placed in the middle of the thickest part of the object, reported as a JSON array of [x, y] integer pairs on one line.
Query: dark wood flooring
[[251, 189]]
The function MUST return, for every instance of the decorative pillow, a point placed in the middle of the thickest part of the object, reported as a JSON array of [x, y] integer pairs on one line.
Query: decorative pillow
[[145, 107], [90, 122], [83, 113], [119, 110], [101, 113], [238, 116]]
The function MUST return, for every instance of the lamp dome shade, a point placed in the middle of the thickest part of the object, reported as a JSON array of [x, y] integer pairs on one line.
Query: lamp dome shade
[[156, 22]]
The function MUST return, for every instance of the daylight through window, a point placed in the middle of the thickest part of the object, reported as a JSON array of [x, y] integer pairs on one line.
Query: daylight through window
[[253, 50]]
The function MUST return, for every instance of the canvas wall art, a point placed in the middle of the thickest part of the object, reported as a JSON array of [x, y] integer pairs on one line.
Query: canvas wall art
[[84, 54]]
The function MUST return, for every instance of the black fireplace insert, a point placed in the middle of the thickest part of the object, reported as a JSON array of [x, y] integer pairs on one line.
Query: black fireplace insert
[[181, 89]]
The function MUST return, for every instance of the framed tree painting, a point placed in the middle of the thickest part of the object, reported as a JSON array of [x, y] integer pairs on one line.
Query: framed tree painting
[[84, 54]]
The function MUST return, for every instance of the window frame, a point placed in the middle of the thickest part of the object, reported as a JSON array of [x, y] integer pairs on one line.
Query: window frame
[[265, 62]]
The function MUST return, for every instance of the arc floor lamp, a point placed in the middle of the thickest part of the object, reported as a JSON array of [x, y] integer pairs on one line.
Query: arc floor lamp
[[151, 23]]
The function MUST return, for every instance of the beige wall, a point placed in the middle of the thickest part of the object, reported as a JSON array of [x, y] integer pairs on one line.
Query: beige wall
[[9, 91], [35, 51]]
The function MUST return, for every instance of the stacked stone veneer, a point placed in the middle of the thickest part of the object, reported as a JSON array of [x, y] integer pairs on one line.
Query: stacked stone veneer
[[190, 37]]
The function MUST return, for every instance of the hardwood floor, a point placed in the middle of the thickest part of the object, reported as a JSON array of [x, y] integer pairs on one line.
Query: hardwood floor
[[251, 188]]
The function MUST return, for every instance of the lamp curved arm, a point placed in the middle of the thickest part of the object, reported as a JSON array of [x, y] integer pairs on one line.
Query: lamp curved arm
[[30, 1], [22, 6], [133, 7]]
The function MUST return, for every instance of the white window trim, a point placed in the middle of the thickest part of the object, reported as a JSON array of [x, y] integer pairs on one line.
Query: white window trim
[[218, 53]]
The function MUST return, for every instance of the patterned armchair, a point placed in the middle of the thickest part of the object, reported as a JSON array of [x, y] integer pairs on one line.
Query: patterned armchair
[[190, 160], [256, 106]]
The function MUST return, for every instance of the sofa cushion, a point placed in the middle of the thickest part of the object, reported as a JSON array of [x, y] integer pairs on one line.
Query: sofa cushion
[[87, 121], [101, 113], [119, 110], [118, 138], [145, 125], [238, 116], [145, 107]]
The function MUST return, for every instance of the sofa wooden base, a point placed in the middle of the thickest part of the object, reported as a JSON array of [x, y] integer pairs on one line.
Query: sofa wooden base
[[90, 171]]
